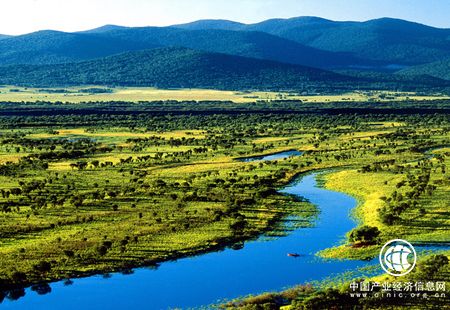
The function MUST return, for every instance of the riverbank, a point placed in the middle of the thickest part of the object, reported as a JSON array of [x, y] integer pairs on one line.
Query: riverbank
[[432, 263], [218, 244], [255, 256], [274, 155], [126, 191], [270, 222], [375, 189]]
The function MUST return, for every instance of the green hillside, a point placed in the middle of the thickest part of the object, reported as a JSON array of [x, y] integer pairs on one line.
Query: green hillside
[[174, 68], [393, 42], [309, 41], [438, 69], [51, 47]]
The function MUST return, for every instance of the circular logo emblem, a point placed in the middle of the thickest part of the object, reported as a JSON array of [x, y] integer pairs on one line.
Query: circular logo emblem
[[398, 257]]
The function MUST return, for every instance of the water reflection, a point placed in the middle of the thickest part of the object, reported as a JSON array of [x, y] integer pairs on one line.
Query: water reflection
[[235, 271], [274, 156], [204, 279], [15, 294], [41, 288]]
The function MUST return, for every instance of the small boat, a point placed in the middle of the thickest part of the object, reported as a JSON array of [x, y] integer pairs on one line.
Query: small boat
[[293, 255]]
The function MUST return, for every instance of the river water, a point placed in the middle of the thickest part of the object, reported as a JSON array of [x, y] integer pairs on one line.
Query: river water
[[273, 156], [201, 280]]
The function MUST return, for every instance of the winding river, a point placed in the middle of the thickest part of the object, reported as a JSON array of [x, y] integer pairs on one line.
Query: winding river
[[272, 156], [201, 280], [208, 278]]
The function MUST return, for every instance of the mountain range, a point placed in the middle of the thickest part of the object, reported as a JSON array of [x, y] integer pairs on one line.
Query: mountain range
[[174, 67], [387, 40], [400, 51], [50, 47], [439, 69]]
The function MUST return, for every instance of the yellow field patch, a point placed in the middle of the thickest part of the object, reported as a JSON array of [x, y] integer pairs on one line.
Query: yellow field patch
[[199, 134], [60, 166], [76, 131], [195, 168], [368, 188], [129, 94], [4, 158], [441, 150], [61, 133], [363, 135], [269, 140], [172, 134], [137, 94], [388, 124]]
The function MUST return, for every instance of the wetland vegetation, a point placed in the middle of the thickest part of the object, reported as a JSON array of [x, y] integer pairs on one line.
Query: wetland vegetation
[[192, 164], [98, 187]]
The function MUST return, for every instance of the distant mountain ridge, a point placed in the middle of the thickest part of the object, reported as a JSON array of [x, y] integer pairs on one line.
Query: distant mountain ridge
[[104, 28], [439, 69], [273, 25], [368, 51], [392, 41], [51, 47], [173, 67], [222, 24], [239, 43], [310, 41]]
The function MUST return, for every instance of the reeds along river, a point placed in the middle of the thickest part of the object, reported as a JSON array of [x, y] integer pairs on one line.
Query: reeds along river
[[205, 279], [273, 156], [201, 280]]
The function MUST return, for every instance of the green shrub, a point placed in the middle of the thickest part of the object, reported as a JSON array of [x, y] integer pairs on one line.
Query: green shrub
[[364, 234]]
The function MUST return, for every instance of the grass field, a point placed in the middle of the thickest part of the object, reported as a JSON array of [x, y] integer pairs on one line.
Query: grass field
[[136, 94], [124, 191]]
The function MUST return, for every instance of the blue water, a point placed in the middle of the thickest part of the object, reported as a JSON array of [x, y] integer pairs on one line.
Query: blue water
[[191, 282], [274, 156]]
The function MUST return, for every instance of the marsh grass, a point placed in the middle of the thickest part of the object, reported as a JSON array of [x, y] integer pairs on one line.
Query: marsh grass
[[144, 196]]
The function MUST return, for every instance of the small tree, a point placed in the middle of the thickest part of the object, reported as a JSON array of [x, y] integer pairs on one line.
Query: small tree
[[432, 265], [42, 267], [69, 253], [18, 277], [81, 165], [102, 250], [364, 234]]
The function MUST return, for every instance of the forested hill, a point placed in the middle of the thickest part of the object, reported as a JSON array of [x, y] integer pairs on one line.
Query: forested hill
[[52, 47], [175, 68], [379, 44], [438, 69], [394, 42]]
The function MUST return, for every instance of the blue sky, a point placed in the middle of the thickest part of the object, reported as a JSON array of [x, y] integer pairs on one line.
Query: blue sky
[[23, 16]]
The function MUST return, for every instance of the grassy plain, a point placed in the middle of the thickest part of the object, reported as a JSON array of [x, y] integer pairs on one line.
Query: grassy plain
[[137, 94], [115, 192], [426, 223], [123, 207]]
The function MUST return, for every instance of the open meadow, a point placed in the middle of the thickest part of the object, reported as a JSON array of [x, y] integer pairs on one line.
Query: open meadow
[[137, 94], [86, 192], [224, 155]]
